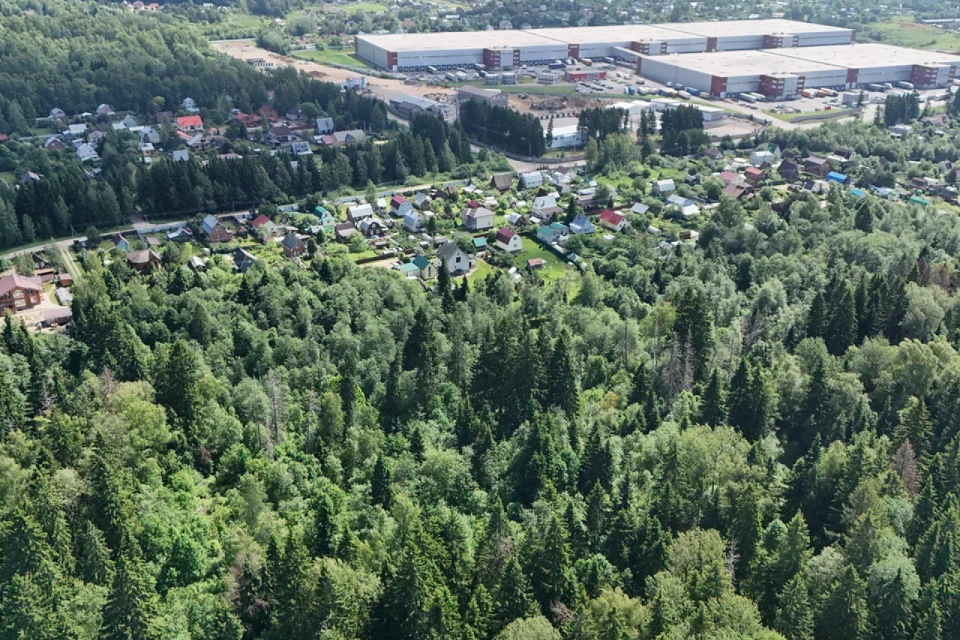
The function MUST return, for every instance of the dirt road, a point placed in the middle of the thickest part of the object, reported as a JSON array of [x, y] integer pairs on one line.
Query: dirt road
[[382, 87]]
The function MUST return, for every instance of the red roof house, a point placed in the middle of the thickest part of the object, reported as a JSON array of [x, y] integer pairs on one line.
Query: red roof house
[[190, 123], [612, 220], [753, 175], [508, 240]]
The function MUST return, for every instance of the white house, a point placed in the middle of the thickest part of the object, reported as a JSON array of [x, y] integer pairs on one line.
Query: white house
[[531, 180], [582, 224], [508, 240], [359, 212], [400, 206], [661, 187], [454, 260], [477, 218], [412, 221], [545, 207], [86, 152]]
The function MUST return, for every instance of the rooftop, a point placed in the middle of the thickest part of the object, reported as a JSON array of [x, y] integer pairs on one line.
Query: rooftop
[[739, 63], [859, 56], [613, 34]]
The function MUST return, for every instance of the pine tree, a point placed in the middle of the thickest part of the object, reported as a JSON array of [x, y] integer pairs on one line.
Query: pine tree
[[446, 293], [817, 317], [863, 219], [554, 581], [131, 609], [841, 329], [795, 615], [323, 541], [381, 487], [513, 597], [563, 387], [392, 405], [931, 624], [846, 615], [915, 426], [713, 408], [748, 401], [894, 610]]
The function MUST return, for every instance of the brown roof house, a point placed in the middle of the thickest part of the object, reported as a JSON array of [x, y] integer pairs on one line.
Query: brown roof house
[[502, 181], [143, 261], [293, 247], [789, 171], [816, 166], [18, 293]]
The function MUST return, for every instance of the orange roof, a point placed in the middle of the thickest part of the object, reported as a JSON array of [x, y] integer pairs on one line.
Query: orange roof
[[189, 121]]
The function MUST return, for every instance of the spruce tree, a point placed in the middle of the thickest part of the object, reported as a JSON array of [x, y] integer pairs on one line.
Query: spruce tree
[[131, 609], [713, 407], [894, 610], [795, 615], [845, 615], [817, 317], [381, 486], [841, 329], [563, 387]]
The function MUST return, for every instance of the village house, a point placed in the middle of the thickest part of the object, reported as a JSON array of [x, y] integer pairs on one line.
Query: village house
[[476, 217], [268, 113], [189, 104], [248, 120], [502, 181], [343, 138], [190, 124], [243, 260], [545, 208], [400, 206], [581, 225], [662, 187], [215, 231], [280, 135], [327, 221], [531, 180], [293, 247], [54, 144], [508, 240], [324, 125], [789, 170], [553, 233], [344, 230], [359, 212], [753, 175], [426, 269], [301, 148], [18, 293], [454, 260], [87, 153], [263, 225], [413, 221], [57, 116], [816, 166], [180, 235], [612, 220], [120, 242], [372, 227], [180, 155], [144, 261]]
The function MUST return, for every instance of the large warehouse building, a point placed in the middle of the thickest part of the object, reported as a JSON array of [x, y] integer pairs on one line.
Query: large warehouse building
[[784, 73], [510, 49]]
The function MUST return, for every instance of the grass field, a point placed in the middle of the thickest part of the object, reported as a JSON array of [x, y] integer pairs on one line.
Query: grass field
[[902, 30], [554, 268], [367, 7], [331, 56], [8, 176]]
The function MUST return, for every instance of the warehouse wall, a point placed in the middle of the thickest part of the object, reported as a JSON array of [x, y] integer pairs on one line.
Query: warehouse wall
[[686, 45], [743, 84], [821, 39], [883, 74], [447, 59], [826, 78], [546, 52], [372, 53], [739, 42], [662, 70]]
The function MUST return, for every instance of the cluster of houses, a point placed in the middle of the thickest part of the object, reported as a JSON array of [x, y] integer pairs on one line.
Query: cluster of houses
[[294, 133]]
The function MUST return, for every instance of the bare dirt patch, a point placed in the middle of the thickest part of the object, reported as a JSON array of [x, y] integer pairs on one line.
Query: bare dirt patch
[[384, 88]]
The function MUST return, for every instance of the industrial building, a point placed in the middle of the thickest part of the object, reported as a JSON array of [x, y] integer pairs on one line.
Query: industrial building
[[785, 73], [494, 97], [498, 50]]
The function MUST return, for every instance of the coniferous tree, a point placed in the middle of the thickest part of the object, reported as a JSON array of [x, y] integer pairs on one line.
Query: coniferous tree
[[381, 486], [845, 615], [841, 329], [132, 607], [895, 610], [795, 614], [817, 317], [713, 408], [563, 387]]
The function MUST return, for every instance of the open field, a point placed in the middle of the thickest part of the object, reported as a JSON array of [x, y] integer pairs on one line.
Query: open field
[[8, 176], [332, 56], [902, 30], [383, 88]]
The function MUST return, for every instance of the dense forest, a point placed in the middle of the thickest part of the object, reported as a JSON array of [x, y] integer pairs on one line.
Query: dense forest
[[755, 437]]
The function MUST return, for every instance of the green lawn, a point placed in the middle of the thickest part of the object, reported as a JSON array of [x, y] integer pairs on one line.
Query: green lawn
[[331, 56], [363, 255], [482, 271], [8, 176], [554, 268], [902, 30]]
